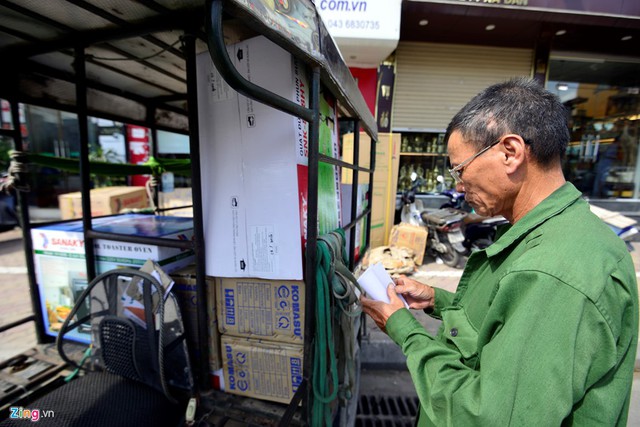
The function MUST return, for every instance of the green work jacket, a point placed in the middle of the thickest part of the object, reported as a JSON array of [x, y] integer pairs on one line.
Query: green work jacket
[[542, 330]]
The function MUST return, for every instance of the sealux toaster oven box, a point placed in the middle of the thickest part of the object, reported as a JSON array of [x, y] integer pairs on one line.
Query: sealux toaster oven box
[[60, 267]]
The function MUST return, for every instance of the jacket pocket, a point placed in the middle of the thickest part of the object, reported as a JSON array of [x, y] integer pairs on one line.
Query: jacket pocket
[[459, 331]]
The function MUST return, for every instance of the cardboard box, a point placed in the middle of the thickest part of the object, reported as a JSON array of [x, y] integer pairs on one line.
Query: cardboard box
[[385, 180], [410, 236], [258, 308], [60, 267], [179, 201], [260, 369], [104, 201], [254, 162], [362, 202], [185, 290]]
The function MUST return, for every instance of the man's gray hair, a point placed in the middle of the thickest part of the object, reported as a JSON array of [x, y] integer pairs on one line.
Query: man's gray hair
[[520, 106]]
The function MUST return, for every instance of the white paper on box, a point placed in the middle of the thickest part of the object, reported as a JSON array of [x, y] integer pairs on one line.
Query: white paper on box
[[375, 281], [254, 166]]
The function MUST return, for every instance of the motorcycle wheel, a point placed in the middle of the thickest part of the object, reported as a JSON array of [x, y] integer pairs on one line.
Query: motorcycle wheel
[[451, 257]]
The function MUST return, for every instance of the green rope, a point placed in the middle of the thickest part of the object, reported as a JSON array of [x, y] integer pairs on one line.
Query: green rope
[[334, 282], [324, 392]]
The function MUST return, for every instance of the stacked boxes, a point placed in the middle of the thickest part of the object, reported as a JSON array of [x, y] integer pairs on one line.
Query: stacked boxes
[[254, 163], [262, 336], [60, 265]]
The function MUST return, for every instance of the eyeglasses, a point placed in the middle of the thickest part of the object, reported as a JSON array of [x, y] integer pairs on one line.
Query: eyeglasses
[[456, 172]]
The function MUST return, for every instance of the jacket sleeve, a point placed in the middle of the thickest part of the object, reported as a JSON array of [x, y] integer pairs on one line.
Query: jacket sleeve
[[543, 344], [443, 298]]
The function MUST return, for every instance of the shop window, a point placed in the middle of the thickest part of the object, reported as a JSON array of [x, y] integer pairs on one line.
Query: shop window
[[603, 104]]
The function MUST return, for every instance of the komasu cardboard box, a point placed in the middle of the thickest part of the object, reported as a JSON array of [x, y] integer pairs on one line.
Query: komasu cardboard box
[[259, 308], [261, 369], [254, 162], [185, 290], [104, 201], [60, 268]]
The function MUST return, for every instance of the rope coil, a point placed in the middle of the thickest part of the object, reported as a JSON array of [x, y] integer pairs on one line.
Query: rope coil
[[333, 279]]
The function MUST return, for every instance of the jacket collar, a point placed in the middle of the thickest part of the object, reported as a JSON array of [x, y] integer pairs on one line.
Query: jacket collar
[[558, 201]]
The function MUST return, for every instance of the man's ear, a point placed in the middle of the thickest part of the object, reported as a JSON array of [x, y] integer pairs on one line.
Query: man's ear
[[514, 151]]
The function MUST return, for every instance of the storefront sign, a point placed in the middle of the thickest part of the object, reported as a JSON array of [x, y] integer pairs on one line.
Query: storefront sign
[[613, 7], [361, 19], [139, 149]]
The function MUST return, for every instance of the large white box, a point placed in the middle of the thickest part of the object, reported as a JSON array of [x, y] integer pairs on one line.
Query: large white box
[[59, 259], [254, 167]]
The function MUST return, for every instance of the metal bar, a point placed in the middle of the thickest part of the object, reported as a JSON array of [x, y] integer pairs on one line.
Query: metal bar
[[85, 180], [130, 57], [312, 237], [354, 193], [326, 159], [17, 323], [288, 415], [151, 118], [25, 225], [68, 77], [53, 23], [157, 241], [64, 107], [353, 223], [174, 208], [372, 162], [220, 57], [202, 371], [176, 20], [102, 13]]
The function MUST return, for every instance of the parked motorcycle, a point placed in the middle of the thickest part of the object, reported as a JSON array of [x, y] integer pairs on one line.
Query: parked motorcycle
[[479, 231], [444, 238], [454, 230]]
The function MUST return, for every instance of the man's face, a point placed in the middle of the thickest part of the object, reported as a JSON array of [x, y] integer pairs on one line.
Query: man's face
[[481, 177]]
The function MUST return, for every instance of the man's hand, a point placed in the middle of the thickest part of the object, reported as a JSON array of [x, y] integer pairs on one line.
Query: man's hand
[[418, 295], [381, 311]]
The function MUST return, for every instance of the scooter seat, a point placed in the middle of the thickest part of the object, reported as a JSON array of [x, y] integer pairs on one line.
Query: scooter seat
[[443, 216]]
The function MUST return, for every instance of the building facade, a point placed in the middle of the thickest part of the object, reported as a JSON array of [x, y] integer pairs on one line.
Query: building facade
[[586, 52]]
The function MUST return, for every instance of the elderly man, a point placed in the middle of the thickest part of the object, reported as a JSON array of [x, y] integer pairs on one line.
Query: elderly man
[[543, 327]]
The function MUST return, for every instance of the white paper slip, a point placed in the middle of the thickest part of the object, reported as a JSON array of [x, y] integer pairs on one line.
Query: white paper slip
[[375, 280]]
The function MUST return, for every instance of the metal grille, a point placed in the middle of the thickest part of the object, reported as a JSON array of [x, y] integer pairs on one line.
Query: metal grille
[[387, 411], [434, 80]]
